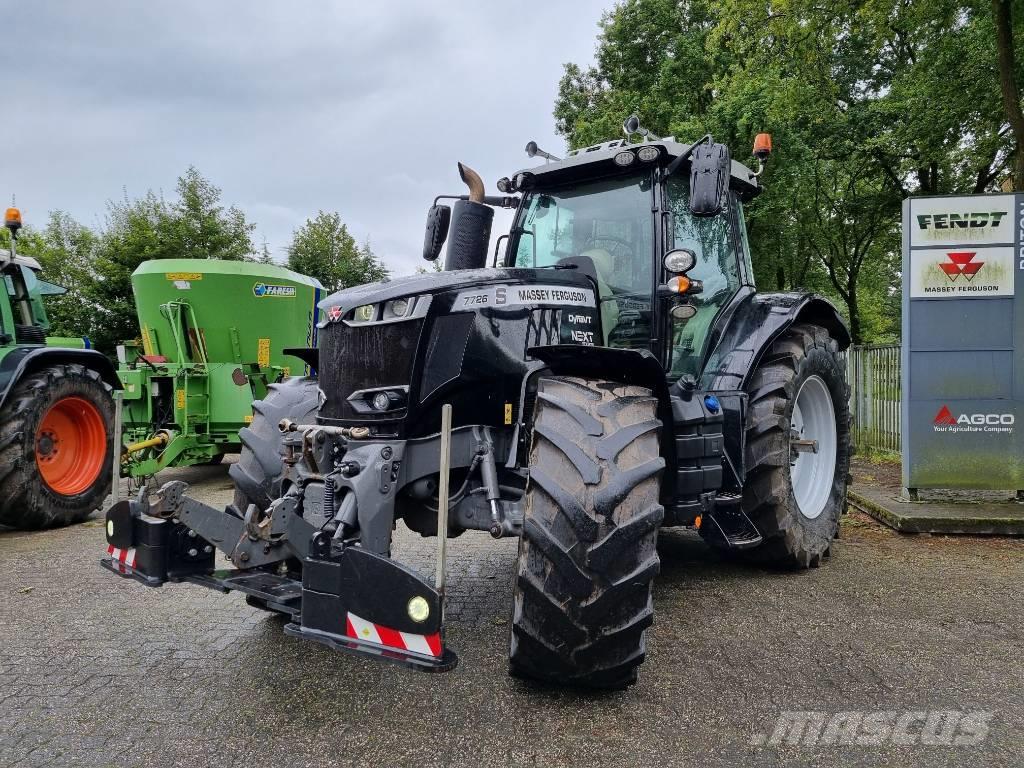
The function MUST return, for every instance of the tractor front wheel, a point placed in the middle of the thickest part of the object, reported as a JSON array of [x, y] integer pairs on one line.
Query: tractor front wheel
[[258, 472], [587, 555], [56, 448]]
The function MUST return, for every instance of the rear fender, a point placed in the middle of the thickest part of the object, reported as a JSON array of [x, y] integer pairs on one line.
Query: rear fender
[[752, 328], [755, 325], [24, 361]]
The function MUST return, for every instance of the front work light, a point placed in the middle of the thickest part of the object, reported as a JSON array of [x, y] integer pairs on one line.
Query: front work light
[[624, 158], [419, 609], [683, 311], [648, 154], [680, 260]]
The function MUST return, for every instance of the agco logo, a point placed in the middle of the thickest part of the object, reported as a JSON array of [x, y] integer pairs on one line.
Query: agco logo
[[946, 421], [961, 263], [261, 290]]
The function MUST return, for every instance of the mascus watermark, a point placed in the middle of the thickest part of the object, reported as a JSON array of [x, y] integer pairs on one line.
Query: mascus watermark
[[937, 727]]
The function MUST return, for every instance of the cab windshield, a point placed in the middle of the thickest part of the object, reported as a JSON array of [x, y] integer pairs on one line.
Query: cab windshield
[[611, 223]]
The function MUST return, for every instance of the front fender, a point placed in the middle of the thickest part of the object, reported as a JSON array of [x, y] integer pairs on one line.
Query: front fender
[[627, 366], [755, 324], [23, 361]]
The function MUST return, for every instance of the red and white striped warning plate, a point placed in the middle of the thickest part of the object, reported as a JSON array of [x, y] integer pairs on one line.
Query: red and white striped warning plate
[[361, 629], [125, 556]]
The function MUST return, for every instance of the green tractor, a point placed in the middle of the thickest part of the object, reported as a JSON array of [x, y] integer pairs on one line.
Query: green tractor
[[213, 338], [56, 410]]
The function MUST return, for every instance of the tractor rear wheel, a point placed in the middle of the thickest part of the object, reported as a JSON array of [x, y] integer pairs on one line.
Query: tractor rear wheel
[[587, 556], [798, 448], [56, 448], [257, 473]]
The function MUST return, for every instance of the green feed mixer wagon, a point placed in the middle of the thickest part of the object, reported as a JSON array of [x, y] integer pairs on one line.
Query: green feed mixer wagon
[[213, 338]]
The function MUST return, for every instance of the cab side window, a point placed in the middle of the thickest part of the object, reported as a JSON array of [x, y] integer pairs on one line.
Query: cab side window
[[717, 268]]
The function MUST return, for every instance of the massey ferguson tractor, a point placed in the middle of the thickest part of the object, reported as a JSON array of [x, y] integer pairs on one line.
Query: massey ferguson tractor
[[615, 372]]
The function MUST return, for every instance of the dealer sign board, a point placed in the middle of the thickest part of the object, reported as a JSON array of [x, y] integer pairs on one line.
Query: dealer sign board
[[963, 342]]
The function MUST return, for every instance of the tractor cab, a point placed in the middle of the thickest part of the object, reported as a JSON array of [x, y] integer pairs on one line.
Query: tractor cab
[[22, 315], [622, 212]]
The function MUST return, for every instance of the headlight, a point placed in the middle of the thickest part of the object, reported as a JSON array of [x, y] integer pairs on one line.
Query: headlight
[[397, 308], [364, 314]]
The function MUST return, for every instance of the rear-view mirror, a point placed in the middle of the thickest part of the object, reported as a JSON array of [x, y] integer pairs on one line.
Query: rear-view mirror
[[439, 217], [710, 169]]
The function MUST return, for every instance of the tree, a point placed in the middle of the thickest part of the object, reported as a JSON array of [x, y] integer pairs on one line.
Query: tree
[[66, 253], [200, 228], [263, 255], [194, 225], [869, 101], [324, 248], [1009, 78]]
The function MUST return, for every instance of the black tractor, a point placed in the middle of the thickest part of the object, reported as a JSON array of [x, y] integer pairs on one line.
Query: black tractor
[[614, 372]]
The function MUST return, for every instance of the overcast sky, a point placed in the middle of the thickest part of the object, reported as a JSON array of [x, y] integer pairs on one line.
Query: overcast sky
[[289, 108]]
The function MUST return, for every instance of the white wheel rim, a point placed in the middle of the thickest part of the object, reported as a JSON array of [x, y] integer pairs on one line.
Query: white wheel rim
[[812, 473]]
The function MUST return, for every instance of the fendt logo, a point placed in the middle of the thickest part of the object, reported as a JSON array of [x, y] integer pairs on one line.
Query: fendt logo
[[946, 421], [961, 263], [977, 220]]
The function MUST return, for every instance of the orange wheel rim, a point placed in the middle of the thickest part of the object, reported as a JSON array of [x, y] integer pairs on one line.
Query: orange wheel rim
[[71, 445]]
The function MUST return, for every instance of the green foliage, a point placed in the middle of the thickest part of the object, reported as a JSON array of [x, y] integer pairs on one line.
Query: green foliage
[[65, 250], [324, 248], [96, 267], [193, 225], [435, 266], [868, 102]]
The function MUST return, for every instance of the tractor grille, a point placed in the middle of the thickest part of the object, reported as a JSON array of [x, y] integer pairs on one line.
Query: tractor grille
[[364, 357]]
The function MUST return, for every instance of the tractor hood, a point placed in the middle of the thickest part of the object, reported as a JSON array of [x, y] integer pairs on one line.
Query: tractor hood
[[344, 301]]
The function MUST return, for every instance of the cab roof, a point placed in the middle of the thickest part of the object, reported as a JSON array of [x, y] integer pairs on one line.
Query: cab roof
[[587, 162], [25, 261]]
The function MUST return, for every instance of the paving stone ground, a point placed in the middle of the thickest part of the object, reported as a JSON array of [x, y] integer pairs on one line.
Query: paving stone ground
[[99, 671]]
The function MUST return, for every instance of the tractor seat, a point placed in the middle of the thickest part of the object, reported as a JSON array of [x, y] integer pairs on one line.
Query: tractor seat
[[603, 267]]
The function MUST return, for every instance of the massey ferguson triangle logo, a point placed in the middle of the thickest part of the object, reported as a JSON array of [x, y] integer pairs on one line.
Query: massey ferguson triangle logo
[[961, 263], [334, 313]]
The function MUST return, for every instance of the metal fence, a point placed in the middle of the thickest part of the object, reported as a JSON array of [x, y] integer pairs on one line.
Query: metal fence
[[873, 371]]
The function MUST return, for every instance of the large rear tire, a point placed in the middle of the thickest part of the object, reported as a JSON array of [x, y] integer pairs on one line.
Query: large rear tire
[[587, 557], [56, 448], [799, 400], [258, 471]]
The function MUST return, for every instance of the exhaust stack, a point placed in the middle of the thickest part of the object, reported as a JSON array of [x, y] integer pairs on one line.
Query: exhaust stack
[[470, 227]]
